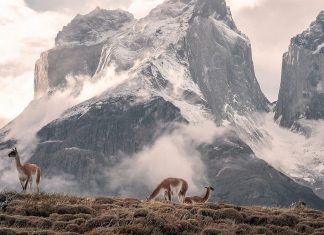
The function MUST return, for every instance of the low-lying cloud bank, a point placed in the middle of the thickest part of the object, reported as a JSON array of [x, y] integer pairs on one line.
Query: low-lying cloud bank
[[172, 155], [295, 154], [48, 108]]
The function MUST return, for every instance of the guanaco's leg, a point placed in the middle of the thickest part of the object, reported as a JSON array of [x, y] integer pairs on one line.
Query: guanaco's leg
[[169, 192], [166, 195], [25, 186], [169, 195], [22, 184], [30, 184]]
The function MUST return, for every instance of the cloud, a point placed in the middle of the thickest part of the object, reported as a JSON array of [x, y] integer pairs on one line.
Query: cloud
[[139, 8], [292, 153], [24, 35], [172, 155], [237, 5], [3, 121], [270, 24]]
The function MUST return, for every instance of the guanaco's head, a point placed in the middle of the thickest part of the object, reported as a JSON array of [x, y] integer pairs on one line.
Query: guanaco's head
[[210, 188], [13, 153]]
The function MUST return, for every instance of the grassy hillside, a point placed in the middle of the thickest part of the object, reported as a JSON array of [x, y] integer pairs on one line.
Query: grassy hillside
[[60, 214]]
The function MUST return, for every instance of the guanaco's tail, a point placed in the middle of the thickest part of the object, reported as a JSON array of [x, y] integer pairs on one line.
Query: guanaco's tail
[[38, 175], [155, 193]]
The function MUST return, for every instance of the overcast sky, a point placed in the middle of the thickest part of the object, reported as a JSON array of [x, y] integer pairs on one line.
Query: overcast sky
[[29, 27]]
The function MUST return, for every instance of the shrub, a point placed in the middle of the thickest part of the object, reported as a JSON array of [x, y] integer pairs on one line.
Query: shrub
[[166, 209], [193, 222], [212, 206], [7, 220], [187, 226], [228, 213], [43, 223], [243, 229], [133, 229], [211, 231], [263, 230], [183, 214], [72, 228], [281, 230], [78, 221], [105, 200], [67, 209], [60, 225], [256, 220], [103, 221], [35, 210], [7, 231], [303, 228], [141, 212], [288, 220], [207, 212], [315, 223], [320, 230], [21, 222], [45, 232], [160, 224]]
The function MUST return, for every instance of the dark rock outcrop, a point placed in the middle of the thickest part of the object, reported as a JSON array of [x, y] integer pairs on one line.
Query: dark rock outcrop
[[302, 83]]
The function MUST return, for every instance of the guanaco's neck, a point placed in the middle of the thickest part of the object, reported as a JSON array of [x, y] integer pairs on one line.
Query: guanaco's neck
[[18, 163], [205, 198]]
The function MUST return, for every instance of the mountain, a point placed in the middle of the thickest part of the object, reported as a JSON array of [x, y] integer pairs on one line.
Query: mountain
[[168, 39], [301, 93], [172, 88]]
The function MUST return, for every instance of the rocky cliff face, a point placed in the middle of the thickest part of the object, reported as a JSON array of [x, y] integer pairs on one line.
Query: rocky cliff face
[[223, 66], [77, 48], [301, 93]]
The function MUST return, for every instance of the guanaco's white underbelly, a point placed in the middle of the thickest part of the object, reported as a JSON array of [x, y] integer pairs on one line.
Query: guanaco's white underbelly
[[174, 189], [22, 176]]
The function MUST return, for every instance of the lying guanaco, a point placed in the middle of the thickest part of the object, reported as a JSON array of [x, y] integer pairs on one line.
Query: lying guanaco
[[26, 172], [169, 187], [197, 199]]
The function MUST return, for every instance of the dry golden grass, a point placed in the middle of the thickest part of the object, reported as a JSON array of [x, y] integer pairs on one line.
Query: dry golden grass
[[64, 214]]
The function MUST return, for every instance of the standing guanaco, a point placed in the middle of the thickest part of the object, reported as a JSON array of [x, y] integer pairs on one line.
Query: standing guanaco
[[170, 186], [26, 171]]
